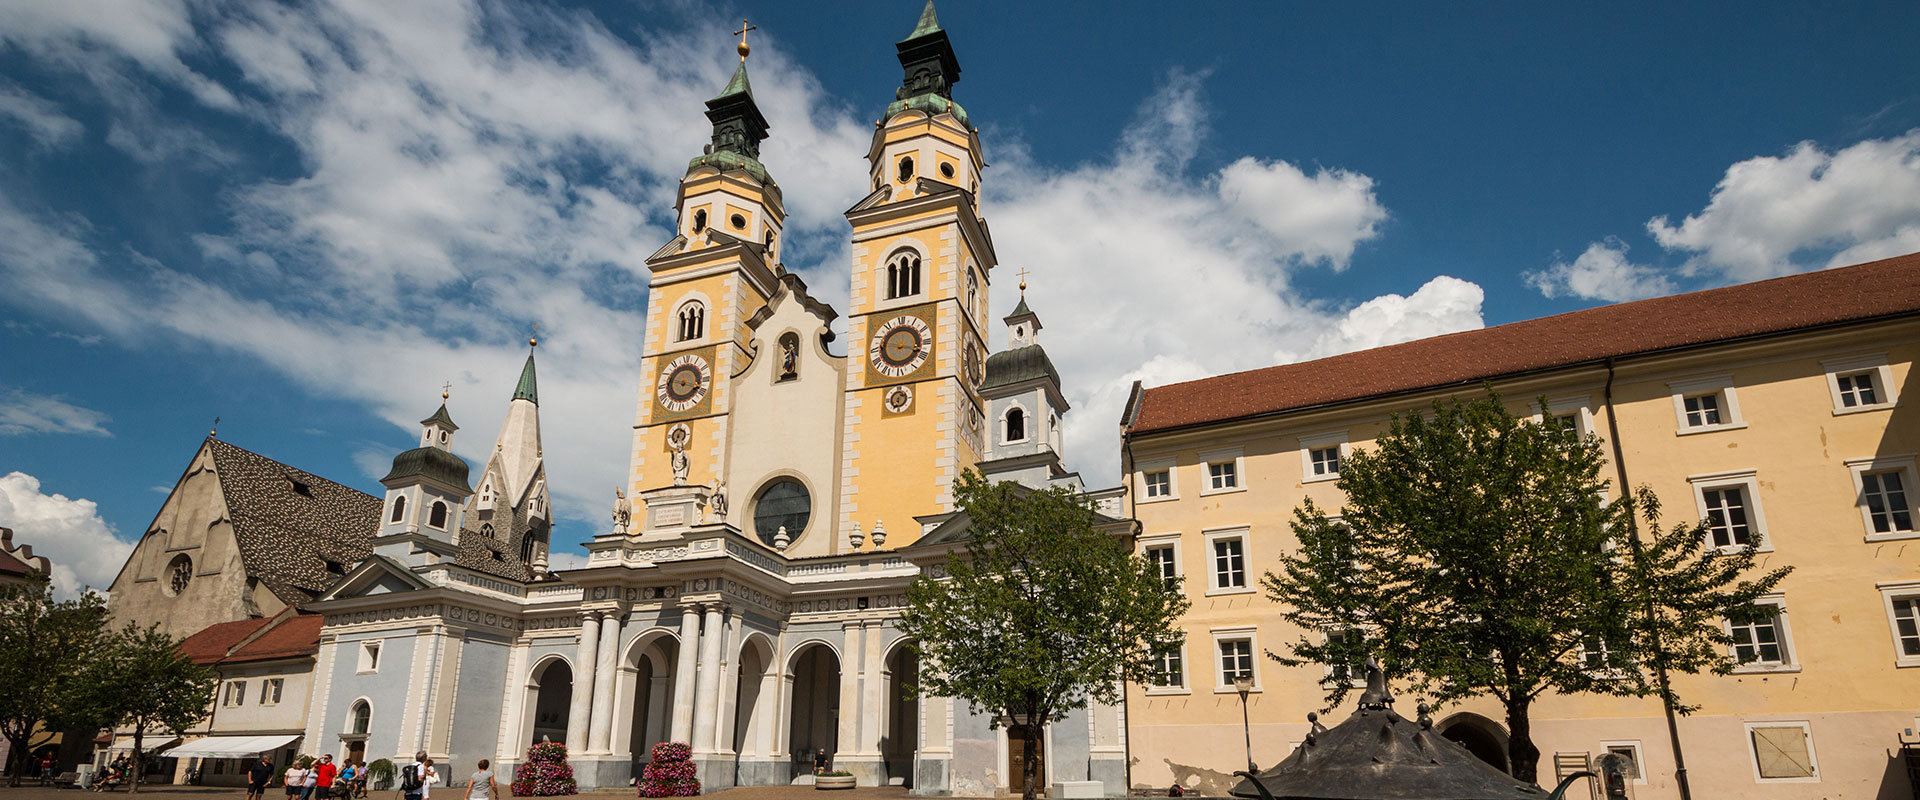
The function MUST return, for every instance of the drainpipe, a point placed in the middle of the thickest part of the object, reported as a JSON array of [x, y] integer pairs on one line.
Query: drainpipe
[[1633, 541]]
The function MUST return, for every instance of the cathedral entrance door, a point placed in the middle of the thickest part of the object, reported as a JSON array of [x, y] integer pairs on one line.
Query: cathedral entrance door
[[1017, 736]]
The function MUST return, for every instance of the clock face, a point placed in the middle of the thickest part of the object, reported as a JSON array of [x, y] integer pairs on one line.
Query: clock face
[[899, 399], [900, 345], [683, 382], [974, 375]]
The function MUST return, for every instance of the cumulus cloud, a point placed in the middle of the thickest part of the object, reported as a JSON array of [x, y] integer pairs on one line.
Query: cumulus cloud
[[69, 531], [23, 412], [1769, 216], [1602, 272]]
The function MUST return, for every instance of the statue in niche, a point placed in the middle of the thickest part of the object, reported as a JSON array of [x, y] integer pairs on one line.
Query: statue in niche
[[719, 500], [677, 440], [789, 357], [622, 511]]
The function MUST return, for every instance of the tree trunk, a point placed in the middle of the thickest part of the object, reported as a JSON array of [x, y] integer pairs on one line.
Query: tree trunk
[[1521, 753], [138, 764], [1028, 791], [16, 754]]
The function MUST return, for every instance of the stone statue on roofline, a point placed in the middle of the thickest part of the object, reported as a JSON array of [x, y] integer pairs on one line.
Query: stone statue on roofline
[[622, 511]]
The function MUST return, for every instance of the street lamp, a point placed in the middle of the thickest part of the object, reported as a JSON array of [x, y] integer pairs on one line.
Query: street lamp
[[1243, 683]]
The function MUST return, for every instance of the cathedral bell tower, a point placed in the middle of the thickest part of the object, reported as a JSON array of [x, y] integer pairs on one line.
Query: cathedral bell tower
[[921, 262], [426, 496], [707, 283]]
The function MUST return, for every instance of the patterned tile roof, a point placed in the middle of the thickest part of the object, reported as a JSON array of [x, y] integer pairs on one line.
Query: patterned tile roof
[[293, 526], [1875, 290], [258, 639]]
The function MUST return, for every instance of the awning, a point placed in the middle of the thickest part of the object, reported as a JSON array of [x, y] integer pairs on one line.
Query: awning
[[150, 743], [231, 746]]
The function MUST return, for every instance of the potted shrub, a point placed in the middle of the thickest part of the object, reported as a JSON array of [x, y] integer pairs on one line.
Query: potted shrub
[[671, 773], [380, 774], [837, 779]]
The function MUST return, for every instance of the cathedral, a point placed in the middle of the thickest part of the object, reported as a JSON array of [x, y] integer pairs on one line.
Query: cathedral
[[784, 490]]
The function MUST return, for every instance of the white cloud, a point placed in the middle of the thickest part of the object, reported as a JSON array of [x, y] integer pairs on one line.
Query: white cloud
[[69, 531], [1444, 304], [41, 119], [23, 412], [1602, 272], [1319, 217]]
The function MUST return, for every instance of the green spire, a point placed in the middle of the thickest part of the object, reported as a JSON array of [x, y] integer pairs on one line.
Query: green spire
[[929, 22], [739, 84], [525, 391], [441, 418]]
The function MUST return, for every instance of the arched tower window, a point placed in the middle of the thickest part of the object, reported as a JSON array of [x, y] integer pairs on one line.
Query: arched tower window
[[693, 321], [973, 292], [437, 516], [903, 274], [699, 220], [360, 719], [906, 169], [399, 507], [486, 529], [1016, 425]]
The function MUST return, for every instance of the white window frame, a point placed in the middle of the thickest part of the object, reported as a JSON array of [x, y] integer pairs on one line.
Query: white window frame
[[1186, 673], [1321, 441], [1875, 363], [1169, 541], [1235, 633], [369, 657], [1224, 455], [1747, 481], [1158, 465], [1242, 533], [1909, 482], [1783, 631], [1717, 384], [1026, 424], [1753, 757], [236, 693], [695, 305], [1889, 592], [1639, 762], [1354, 679], [1582, 410], [273, 687]]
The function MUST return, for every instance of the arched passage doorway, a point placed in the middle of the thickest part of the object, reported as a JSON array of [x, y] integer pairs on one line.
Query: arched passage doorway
[[643, 696], [813, 681], [900, 743], [1482, 737], [755, 693], [549, 695]]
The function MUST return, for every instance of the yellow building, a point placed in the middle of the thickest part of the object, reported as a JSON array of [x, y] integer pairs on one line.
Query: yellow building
[[1773, 407]]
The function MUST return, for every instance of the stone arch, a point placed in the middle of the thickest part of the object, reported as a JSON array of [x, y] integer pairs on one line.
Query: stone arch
[[883, 272], [1484, 738], [900, 727], [1015, 420], [643, 693], [812, 679], [547, 700], [756, 694]]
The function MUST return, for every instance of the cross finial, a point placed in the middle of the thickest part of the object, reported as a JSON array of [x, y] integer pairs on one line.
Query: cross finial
[[742, 33], [1023, 281], [445, 390], [216, 427], [533, 339]]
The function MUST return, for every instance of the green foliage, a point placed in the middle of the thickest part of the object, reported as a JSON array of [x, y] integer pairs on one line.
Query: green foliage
[[1042, 611], [1476, 555], [43, 646], [141, 679], [380, 773]]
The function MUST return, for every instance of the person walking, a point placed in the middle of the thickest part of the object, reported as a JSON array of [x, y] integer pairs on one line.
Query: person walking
[[258, 776], [480, 784], [413, 778], [46, 768], [324, 773], [296, 781]]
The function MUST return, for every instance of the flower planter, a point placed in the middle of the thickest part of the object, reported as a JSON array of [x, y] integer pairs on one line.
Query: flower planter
[[824, 782]]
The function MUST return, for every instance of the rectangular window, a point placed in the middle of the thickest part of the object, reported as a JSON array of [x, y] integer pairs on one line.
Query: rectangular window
[[1229, 564], [1236, 660], [1222, 475], [1352, 672], [1159, 483], [1170, 668], [370, 657], [1860, 383], [1325, 461], [1856, 390], [270, 691], [1782, 751], [1165, 564], [1727, 516], [1594, 653], [1703, 410], [1760, 643], [1906, 627], [236, 693], [1631, 752], [1320, 456], [1885, 495]]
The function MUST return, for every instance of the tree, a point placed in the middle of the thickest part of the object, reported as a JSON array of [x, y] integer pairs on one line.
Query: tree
[[43, 645], [1477, 556], [141, 679], [1040, 613]]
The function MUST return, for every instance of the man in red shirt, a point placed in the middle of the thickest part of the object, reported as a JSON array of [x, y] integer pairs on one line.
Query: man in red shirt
[[323, 775]]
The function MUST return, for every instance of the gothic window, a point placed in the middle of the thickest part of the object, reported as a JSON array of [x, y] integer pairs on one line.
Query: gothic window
[[437, 517], [903, 275], [906, 169], [179, 574], [360, 720], [1016, 426], [693, 321], [399, 508], [486, 529]]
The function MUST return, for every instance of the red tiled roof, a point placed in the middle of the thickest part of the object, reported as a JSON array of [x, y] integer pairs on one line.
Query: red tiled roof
[[1877, 289], [211, 643]]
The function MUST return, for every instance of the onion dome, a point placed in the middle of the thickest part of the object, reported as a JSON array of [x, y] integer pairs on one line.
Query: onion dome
[[431, 463], [1009, 367]]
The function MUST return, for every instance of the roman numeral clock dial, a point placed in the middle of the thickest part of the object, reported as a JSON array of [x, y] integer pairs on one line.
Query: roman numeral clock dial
[[900, 345], [683, 382]]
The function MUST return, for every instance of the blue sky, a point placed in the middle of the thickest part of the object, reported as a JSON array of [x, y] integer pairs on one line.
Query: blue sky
[[303, 219]]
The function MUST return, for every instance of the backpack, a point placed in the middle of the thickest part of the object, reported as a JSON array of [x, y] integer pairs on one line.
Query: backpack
[[410, 779]]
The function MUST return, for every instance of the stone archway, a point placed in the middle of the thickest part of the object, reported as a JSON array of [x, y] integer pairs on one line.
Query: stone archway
[[1482, 737], [900, 739], [643, 696], [755, 713], [549, 698], [813, 683]]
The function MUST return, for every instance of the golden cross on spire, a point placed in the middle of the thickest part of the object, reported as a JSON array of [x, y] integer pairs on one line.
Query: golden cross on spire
[[742, 33], [533, 339], [445, 390], [1023, 280]]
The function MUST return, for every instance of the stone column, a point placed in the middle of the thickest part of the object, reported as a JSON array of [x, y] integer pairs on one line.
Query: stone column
[[706, 694], [684, 673], [600, 729], [581, 706], [847, 739], [873, 704]]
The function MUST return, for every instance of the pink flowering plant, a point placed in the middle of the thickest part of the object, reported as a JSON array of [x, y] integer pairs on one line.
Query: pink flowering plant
[[670, 774], [545, 773]]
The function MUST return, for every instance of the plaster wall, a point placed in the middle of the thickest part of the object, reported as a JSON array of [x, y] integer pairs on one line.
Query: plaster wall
[[192, 523], [767, 439], [385, 689]]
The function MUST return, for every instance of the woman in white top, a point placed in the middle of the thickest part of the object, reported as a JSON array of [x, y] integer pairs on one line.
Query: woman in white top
[[480, 785], [296, 781]]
